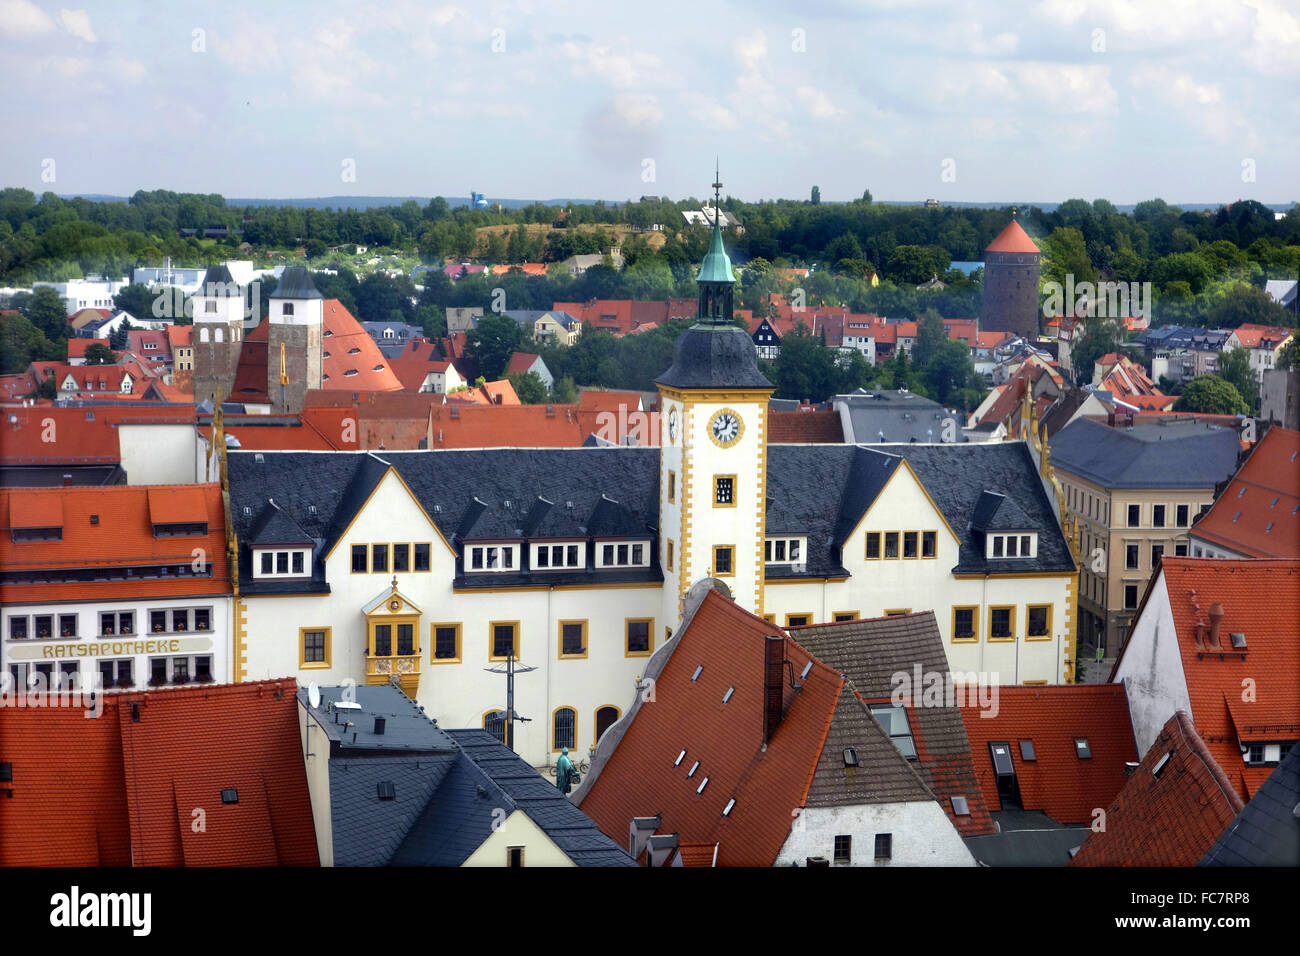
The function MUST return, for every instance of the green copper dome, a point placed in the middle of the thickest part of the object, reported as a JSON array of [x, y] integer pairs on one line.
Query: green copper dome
[[716, 266]]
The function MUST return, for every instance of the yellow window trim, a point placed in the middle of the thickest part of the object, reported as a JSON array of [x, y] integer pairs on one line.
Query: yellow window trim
[[388, 558], [306, 665], [1002, 640], [935, 556], [724, 547], [866, 548], [433, 643], [974, 623], [429, 569], [839, 617], [491, 636], [1040, 637], [573, 749], [669, 561], [897, 611], [672, 487], [902, 546], [650, 636], [595, 719], [559, 640], [392, 556], [770, 618], [735, 486], [898, 545], [807, 614], [367, 568]]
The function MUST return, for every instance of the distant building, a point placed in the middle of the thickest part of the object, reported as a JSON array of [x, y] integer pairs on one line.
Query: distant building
[[1011, 273], [1279, 397], [89, 293]]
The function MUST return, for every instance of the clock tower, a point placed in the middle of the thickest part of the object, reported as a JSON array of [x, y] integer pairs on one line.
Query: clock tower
[[713, 448]]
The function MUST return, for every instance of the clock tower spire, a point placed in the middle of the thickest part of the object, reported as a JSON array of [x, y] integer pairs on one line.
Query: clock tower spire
[[713, 446]]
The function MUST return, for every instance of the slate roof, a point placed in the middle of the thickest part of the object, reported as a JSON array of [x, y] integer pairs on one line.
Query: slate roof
[[898, 416], [275, 527], [448, 787], [295, 283], [1166, 820], [870, 652], [447, 482], [1057, 782], [1175, 454], [714, 356], [1267, 831]]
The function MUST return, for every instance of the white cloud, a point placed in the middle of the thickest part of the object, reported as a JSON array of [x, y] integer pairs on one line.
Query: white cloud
[[77, 22], [750, 50], [817, 103], [638, 109], [132, 71], [23, 18], [708, 112]]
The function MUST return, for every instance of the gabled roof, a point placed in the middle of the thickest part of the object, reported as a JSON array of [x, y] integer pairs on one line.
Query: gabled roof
[[870, 653], [273, 526], [1261, 336], [1013, 239], [1258, 514], [1175, 454], [1270, 659], [520, 362], [1058, 781], [642, 775], [811, 425], [81, 436], [116, 790], [1171, 810], [1267, 831]]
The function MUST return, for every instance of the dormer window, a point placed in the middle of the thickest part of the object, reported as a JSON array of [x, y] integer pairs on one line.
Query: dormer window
[[491, 557], [623, 554], [784, 550], [1017, 545], [558, 557], [281, 562]]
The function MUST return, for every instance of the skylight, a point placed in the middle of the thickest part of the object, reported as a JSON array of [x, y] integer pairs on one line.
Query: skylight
[[696, 675], [850, 757], [694, 767], [806, 668], [1081, 748], [727, 696], [704, 783], [230, 796], [1159, 768], [726, 811], [387, 790], [680, 757], [1027, 750], [960, 807]]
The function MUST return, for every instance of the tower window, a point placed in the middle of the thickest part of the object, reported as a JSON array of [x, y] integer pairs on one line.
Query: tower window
[[722, 561], [724, 490], [287, 309]]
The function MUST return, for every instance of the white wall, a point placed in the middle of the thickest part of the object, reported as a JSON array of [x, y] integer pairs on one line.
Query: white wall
[[1152, 669], [159, 454], [922, 835], [316, 755], [518, 830]]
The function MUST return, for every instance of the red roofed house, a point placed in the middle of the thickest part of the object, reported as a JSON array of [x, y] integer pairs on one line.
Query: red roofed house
[[1172, 809], [203, 776], [1217, 638], [521, 363], [754, 753], [1258, 513], [1264, 342], [114, 586], [1060, 749], [806, 425]]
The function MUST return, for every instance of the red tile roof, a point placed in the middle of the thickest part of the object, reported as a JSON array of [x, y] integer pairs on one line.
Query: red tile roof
[[315, 428], [1057, 782], [520, 362], [75, 438], [17, 385], [1260, 599], [1258, 514], [180, 336], [805, 426], [1261, 336], [1012, 239], [639, 778], [122, 537], [596, 400], [1169, 820], [119, 791]]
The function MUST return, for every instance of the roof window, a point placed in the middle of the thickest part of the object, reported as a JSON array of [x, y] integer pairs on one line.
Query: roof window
[[1081, 748], [727, 696], [960, 807], [696, 675], [680, 757], [726, 811], [230, 796], [850, 757], [386, 790], [1161, 764], [1027, 750]]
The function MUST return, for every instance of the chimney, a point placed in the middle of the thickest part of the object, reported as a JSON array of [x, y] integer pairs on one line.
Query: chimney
[[661, 849], [1216, 618], [773, 662], [639, 831], [380, 723]]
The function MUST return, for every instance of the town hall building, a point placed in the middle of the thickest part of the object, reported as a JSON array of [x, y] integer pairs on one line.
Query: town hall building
[[436, 568]]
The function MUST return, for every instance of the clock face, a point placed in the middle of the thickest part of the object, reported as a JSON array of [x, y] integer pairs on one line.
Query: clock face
[[725, 428], [672, 425]]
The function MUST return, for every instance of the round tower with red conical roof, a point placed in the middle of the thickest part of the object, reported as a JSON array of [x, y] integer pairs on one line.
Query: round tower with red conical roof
[[1011, 270]]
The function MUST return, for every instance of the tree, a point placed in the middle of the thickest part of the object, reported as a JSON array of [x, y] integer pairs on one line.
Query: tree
[[315, 248], [118, 338], [1211, 395], [930, 334], [99, 354], [1245, 304], [949, 369], [492, 343], [47, 312], [135, 299], [530, 388], [565, 392], [816, 198], [1234, 368], [1100, 337]]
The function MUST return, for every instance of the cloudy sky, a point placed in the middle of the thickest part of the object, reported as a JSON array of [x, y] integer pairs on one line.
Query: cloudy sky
[[987, 100]]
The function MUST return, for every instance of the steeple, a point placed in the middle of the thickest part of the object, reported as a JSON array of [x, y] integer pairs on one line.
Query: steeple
[[716, 280]]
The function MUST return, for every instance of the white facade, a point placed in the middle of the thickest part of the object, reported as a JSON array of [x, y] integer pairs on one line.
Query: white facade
[[180, 633], [81, 294], [1152, 669], [162, 453], [920, 835]]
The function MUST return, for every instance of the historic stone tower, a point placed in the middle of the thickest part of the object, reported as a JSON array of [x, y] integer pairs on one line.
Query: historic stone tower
[[1011, 269], [218, 334], [295, 326], [713, 450]]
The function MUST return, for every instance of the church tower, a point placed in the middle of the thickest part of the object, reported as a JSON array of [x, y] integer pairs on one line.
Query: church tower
[[1011, 270], [218, 334], [295, 326], [713, 449]]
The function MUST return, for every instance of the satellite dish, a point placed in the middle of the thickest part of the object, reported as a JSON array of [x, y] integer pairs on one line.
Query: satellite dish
[[313, 694]]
